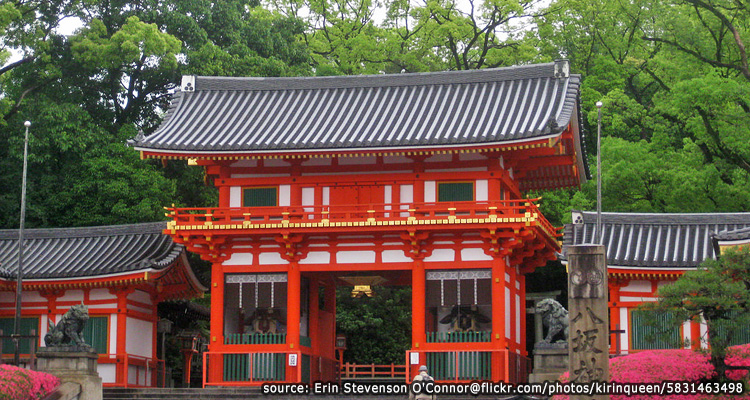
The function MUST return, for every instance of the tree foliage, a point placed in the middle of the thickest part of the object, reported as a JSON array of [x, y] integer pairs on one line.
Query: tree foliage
[[378, 328], [717, 293]]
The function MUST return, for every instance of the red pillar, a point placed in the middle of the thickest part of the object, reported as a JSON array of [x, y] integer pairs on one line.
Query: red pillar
[[522, 282], [294, 281], [313, 327], [614, 317], [216, 341], [499, 342], [418, 304]]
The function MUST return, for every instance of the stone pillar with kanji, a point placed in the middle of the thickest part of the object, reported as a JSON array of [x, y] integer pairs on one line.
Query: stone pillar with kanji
[[589, 321]]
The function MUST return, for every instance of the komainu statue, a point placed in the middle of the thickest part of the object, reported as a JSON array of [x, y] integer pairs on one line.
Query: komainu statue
[[68, 331], [554, 317]]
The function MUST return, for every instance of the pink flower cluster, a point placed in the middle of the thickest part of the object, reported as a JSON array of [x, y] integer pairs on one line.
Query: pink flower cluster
[[23, 384], [671, 365], [739, 356]]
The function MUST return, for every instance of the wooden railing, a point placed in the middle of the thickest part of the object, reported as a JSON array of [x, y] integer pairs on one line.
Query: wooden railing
[[27, 359], [255, 338], [523, 210], [137, 371], [469, 365], [352, 371], [458, 337], [249, 369]]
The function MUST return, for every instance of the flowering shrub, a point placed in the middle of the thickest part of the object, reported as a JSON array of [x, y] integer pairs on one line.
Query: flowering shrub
[[671, 365], [738, 355], [23, 384]]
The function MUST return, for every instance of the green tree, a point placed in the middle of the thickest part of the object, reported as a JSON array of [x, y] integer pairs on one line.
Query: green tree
[[718, 293], [378, 328]]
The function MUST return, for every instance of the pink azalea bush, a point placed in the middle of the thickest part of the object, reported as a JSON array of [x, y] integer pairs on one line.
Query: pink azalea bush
[[23, 384], [739, 356], [672, 365]]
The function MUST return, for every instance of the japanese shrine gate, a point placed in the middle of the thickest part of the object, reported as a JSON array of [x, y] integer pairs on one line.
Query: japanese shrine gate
[[411, 178]]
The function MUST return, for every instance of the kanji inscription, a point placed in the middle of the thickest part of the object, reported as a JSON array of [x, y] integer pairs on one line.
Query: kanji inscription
[[589, 320]]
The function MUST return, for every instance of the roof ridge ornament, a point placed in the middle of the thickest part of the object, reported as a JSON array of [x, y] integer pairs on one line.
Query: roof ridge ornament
[[188, 83], [562, 68]]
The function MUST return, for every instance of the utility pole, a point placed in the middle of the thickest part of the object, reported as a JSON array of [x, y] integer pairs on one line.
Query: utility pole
[[19, 280]]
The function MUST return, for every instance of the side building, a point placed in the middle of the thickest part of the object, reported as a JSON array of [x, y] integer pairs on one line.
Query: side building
[[408, 179], [646, 251], [120, 272]]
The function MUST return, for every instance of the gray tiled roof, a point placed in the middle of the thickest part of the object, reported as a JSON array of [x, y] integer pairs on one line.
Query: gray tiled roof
[[88, 251], [735, 234], [654, 240], [236, 115]]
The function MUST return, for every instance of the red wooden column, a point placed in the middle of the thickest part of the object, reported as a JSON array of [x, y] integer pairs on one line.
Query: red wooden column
[[522, 282], [224, 188], [294, 281], [514, 339], [614, 314], [313, 326], [216, 342], [499, 342], [121, 371], [418, 304]]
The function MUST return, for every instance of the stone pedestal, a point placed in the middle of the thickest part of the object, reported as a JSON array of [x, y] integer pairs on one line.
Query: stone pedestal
[[73, 364], [550, 361]]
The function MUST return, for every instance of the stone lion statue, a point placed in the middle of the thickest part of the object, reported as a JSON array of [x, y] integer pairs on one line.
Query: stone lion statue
[[554, 317], [69, 329]]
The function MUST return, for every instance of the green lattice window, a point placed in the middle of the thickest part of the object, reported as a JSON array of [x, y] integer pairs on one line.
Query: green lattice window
[[455, 191], [95, 333], [259, 197], [647, 336], [27, 324]]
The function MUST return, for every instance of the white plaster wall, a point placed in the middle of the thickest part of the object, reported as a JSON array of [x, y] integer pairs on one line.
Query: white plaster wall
[[245, 163], [107, 372], [34, 296], [285, 195], [441, 255], [507, 313], [7, 297], [235, 196], [396, 160], [638, 299], [271, 259], [470, 156], [429, 192], [326, 196], [101, 294], [482, 190], [43, 327], [518, 318], [637, 286], [474, 255], [355, 257], [308, 196], [390, 256], [317, 257], [317, 162], [687, 334], [239, 259], [140, 337], [507, 277], [357, 160], [624, 337], [140, 296], [113, 334]]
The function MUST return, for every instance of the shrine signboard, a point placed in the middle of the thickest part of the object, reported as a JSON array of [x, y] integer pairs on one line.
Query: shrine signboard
[[589, 320]]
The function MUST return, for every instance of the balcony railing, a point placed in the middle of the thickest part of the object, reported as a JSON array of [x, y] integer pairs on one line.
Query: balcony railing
[[391, 214]]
